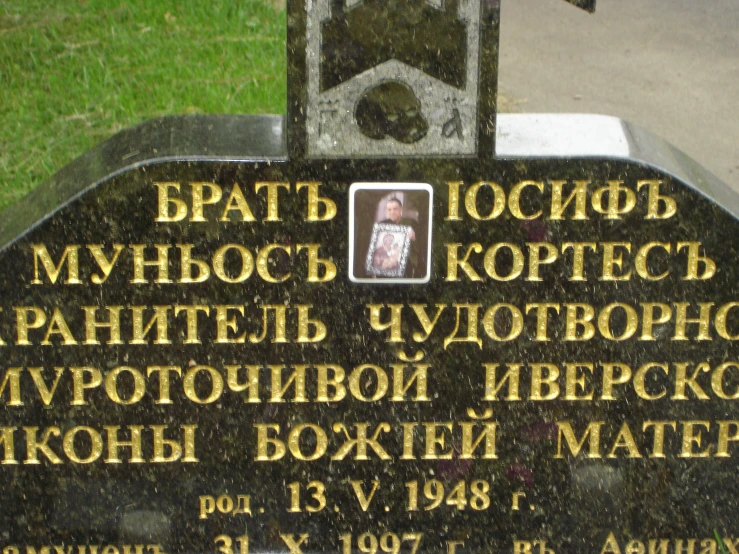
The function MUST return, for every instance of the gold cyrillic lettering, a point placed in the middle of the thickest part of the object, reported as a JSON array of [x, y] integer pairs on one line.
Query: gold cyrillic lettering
[[320, 445], [578, 258], [573, 381], [45, 393], [697, 262], [394, 322], [216, 386], [514, 199], [472, 318], [717, 381], [315, 201], [579, 316], [70, 255], [22, 323], [655, 201], [613, 262], [58, 326], [92, 325], [649, 321], [207, 506], [470, 444], [13, 383], [305, 325], [470, 201], [224, 324], [536, 260], [237, 202], [114, 444], [263, 263], [725, 437], [642, 261], [70, 450], [243, 505], [34, 446], [280, 324], [542, 318], [296, 378], [251, 383], [493, 387], [164, 382], [199, 200], [176, 451], [682, 380], [658, 442], [613, 193], [591, 434], [80, 385], [219, 263], [631, 322], [111, 385], [272, 198], [682, 320], [315, 263], [401, 386], [106, 265], [435, 440], [453, 201], [160, 319], [611, 545], [663, 545], [264, 442], [490, 265], [335, 383], [7, 441], [163, 211], [640, 381], [380, 380], [625, 440], [544, 376], [188, 264], [489, 321], [578, 194], [408, 431], [423, 318], [722, 317], [453, 261], [689, 548], [191, 314], [692, 438], [609, 379], [140, 263], [361, 442]]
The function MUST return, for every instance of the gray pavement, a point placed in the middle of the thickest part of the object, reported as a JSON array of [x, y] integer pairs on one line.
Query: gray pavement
[[671, 66]]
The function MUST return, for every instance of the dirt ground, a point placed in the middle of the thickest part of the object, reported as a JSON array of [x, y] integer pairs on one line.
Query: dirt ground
[[670, 66]]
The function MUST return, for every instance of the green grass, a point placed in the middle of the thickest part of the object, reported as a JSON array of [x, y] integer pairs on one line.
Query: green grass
[[74, 72]]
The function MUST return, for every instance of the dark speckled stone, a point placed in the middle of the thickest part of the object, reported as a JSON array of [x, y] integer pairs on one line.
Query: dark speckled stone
[[573, 504], [577, 502]]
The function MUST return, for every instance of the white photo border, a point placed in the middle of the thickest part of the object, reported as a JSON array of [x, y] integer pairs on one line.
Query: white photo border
[[400, 187]]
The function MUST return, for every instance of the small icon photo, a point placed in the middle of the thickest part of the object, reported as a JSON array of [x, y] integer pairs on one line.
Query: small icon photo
[[390, 232]]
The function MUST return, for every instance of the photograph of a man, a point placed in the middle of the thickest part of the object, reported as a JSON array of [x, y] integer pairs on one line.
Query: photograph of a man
[[390, 232], [394, 212]]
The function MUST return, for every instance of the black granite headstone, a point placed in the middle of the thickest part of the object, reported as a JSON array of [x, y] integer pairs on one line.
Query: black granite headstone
[[365, 330]]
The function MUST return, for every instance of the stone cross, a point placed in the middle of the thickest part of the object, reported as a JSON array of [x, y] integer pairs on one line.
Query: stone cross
[[393, 78]]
